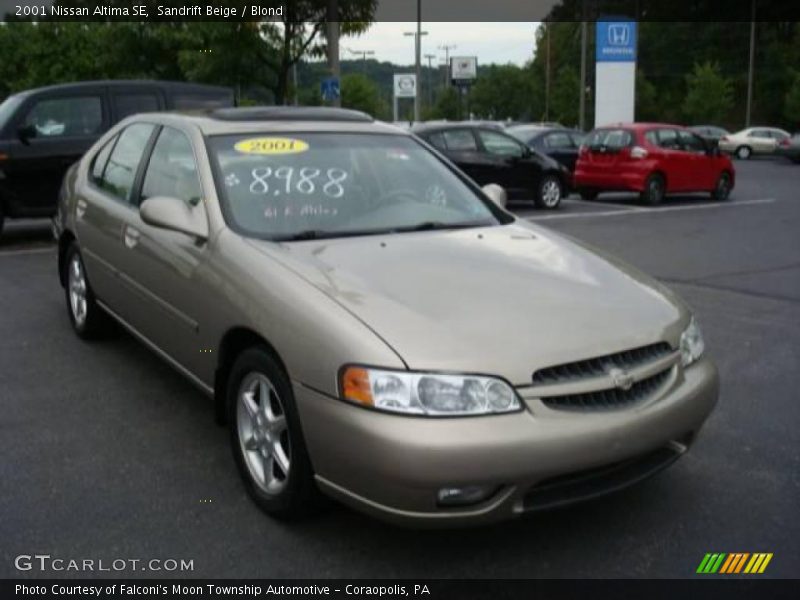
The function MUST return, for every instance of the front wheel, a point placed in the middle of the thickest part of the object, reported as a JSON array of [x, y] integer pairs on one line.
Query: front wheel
[[550, 192], [654, 190], [722, 190], [743, 152], [267, 439]]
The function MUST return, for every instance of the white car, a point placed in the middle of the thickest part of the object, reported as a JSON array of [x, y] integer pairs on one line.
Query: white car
[[753, 140]]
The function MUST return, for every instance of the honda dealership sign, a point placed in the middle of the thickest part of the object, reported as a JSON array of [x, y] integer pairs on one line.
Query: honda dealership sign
[[615, 71]]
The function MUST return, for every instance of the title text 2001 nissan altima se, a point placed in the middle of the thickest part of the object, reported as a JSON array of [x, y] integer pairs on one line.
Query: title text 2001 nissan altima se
[[380, 329]]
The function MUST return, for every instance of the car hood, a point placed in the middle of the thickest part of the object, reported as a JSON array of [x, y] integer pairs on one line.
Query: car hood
[[502, 300]]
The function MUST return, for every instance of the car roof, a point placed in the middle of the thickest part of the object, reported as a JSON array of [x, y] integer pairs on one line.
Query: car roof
[[79, 85], [639, 126], [429, 128], [276, 119]]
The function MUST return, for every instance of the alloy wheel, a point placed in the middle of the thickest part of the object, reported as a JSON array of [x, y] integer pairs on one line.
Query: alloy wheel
[[263, 433], [76, 285], [550, 193]]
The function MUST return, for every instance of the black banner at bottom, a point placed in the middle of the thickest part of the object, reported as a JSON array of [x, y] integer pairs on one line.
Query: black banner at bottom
[[435, 589]]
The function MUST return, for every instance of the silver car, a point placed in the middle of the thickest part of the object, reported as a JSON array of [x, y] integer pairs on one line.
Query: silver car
[[371, 325]]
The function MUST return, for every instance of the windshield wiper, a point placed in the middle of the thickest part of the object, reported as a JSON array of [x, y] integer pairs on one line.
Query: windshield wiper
[[433, 225]]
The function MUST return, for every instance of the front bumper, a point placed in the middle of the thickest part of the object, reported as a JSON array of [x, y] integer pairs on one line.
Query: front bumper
[[392, 466]]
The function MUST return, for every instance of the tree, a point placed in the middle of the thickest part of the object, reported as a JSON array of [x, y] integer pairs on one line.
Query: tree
[[710, 95], [502, 92], [303, 33], [564, 99], [360, 93], [447, 105], [791, 104]]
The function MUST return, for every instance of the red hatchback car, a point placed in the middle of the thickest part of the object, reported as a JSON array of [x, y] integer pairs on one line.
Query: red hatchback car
[[652, 159]]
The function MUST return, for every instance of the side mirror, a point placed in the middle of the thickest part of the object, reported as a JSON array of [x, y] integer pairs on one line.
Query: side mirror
[[25, 133], [176, 215], [496, 194]]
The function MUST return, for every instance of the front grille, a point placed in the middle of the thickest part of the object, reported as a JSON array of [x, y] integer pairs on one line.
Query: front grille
[[597, 367], [610, 398], [583, 485]]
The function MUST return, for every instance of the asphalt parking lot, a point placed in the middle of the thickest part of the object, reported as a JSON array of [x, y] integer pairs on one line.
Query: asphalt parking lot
[[107, 453]]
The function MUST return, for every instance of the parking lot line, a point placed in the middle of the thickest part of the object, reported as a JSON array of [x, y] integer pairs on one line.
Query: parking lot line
[[27, 251], [646, 211]]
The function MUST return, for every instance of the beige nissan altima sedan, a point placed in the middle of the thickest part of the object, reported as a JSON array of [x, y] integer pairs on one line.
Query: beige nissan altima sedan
[[370, 324]]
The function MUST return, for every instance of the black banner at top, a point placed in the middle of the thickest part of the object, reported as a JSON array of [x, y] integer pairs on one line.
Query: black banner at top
[[398, 10]]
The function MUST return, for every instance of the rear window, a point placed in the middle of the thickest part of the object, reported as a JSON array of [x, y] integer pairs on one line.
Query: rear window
[[612, 139]]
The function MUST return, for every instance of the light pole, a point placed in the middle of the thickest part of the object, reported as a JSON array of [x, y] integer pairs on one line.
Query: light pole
[[446, 48], [582, 100], [430, 57], [752, 64], [417, 59]]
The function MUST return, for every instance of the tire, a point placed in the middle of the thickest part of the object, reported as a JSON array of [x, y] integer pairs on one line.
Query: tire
[[588, 195], [743, 152], [654, 190], [722, 190], [267, 439], [550, 192], [88, 320]]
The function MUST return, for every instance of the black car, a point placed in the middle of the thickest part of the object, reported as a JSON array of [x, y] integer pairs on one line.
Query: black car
[[557, 142], [710, 133], [489, 155], [43, 131]]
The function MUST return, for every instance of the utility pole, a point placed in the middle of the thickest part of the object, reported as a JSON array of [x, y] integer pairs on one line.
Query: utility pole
[[547, 26], [417, 62], [751, 69], [446, 48], [333, 44], [418, 59], [430, 57], [582, 103]]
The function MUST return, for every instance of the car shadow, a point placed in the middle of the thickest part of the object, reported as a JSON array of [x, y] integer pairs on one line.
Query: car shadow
[[19, 234]]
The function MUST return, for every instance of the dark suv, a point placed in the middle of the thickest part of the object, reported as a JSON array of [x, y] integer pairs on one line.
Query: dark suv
[[43, 131]]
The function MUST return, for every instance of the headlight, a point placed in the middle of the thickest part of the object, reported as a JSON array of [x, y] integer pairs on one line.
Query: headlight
[[692, 344], [428, 394]]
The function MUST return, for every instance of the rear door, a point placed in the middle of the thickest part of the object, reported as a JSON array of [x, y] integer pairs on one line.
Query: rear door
[[104, 209], [59, 128], [675, 163], [461, 146], [131, 100], [700, 170], [561, 146], [761, 141]]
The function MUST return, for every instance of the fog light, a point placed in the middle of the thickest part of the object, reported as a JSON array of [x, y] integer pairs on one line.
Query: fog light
[[464, 496]]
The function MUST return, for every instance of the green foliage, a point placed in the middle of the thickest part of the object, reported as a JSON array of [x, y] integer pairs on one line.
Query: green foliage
[[791, 108], [359, 93], [502, 92], [447, 106], [709, 95], [564, 98]]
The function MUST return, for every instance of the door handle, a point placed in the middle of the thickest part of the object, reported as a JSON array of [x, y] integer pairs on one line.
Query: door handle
[[80, 208], [131, 237]]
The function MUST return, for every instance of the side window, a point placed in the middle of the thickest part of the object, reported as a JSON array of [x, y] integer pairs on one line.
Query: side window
[[172, 170], [437, 141], [200, 101], [101, 159], [120, 172], [558, 141], [66, 117], [758, 133], [668, 138], [131, 104], [459, 140], [690, 142], [779, 135], [499, 144], [577, 139], [652, 137]]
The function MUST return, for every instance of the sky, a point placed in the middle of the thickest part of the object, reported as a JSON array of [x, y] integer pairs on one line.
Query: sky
[[491, 42]]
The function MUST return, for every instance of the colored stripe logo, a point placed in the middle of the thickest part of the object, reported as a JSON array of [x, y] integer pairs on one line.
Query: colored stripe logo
[[734, 563]]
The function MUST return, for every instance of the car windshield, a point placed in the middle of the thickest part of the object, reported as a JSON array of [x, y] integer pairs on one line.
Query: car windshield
[[7, 108], [313, 185]]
